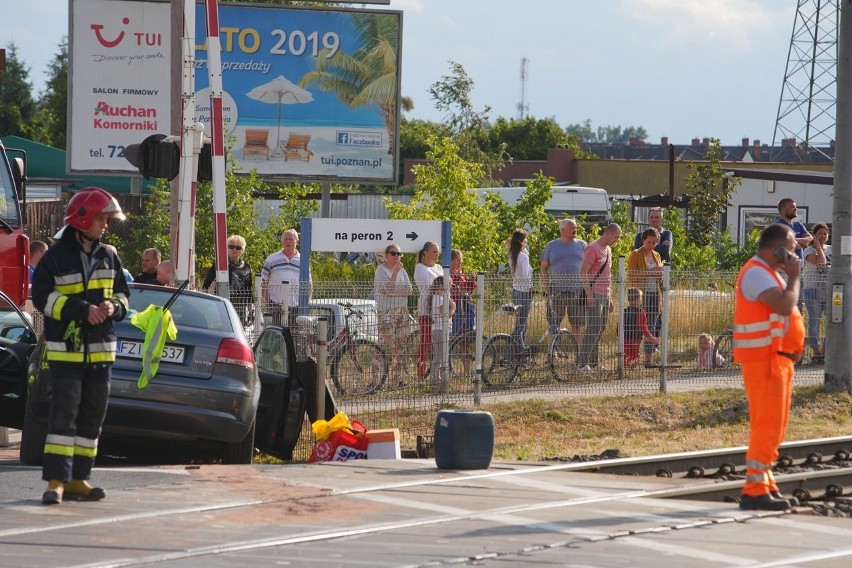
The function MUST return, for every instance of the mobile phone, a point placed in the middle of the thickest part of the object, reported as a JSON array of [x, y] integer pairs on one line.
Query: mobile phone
[[782, 254]]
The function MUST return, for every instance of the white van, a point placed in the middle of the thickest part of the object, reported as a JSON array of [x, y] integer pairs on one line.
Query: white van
[[565, 201]]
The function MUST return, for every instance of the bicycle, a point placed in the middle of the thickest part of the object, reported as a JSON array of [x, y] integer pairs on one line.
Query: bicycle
[[503, 358], [462, 342], [724, 351], [358, 366], [461, 359]]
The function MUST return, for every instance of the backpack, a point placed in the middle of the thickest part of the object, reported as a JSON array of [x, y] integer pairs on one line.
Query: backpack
[[464, 317]]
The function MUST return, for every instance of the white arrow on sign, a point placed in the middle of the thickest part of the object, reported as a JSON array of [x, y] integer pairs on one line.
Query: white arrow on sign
[[372, 235]]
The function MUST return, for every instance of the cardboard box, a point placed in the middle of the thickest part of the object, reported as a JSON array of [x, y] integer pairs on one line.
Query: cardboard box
[[383, 444]]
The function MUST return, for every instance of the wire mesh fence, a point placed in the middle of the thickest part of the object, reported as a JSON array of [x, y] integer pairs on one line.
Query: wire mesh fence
[[389, 368], [396, 368]]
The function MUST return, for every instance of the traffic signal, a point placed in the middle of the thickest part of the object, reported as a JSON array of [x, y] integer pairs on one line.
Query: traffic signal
[[205, 163], [155, 157]]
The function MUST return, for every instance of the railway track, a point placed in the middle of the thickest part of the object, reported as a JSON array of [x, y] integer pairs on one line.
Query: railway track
[[815, 471]]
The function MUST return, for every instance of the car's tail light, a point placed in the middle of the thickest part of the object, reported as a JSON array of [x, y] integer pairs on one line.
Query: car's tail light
[[235, 352]]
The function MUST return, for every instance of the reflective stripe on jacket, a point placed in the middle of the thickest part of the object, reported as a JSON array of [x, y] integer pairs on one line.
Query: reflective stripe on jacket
[[758, 330], [64, 288]]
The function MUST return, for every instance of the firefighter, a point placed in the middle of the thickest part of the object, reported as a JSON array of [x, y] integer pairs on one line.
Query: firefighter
[[769, 337], [80, 288]]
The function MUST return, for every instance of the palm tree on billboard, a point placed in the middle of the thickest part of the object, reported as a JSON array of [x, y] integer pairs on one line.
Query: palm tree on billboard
[[367, 77]]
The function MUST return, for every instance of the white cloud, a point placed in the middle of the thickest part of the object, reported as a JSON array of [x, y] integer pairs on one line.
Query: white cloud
[[733, 24], [412, 5]]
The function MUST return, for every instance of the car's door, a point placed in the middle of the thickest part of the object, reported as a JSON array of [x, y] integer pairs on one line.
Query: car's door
[[281, 411], [17, 341]]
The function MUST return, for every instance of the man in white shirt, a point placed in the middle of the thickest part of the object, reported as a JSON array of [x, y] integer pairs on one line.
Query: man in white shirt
[[284, 266]]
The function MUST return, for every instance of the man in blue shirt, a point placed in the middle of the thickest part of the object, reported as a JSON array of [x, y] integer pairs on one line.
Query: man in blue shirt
[[787, 213], [37, 249]]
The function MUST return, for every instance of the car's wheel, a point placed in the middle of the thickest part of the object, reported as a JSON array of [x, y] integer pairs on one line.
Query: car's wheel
[[242, 452], [32, 438]]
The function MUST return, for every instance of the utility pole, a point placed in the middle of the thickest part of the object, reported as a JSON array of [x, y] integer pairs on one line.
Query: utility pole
[[523, 106], [838, 362]]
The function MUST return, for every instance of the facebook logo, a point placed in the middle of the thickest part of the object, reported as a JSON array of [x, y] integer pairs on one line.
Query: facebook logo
[[359, 138]]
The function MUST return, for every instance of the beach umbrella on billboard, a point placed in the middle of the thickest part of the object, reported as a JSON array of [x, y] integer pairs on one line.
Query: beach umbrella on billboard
[[280, 91]]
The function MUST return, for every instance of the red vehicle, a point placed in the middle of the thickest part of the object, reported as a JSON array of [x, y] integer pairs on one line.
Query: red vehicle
[[14, 244]]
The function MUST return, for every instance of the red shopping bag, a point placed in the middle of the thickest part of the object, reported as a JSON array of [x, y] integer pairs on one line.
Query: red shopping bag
[[339, 440]]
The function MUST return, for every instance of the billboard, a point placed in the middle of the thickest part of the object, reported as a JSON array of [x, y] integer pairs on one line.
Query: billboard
[[308, 93]]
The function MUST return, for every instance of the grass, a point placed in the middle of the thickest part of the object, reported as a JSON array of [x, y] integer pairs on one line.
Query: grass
[[653, 424], [537, 429]]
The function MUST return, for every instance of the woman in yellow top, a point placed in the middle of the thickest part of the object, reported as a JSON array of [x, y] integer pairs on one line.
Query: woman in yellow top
[[645, 271]]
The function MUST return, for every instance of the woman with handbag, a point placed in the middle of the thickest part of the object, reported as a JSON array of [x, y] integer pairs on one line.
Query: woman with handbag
[[815, 286], [645, 272], [391, 288]]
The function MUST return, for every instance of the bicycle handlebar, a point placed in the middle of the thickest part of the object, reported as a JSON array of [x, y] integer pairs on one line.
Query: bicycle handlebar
[[352, 310]]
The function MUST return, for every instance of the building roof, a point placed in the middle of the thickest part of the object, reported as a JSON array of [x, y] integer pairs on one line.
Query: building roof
[[787, 153], [46, 164]]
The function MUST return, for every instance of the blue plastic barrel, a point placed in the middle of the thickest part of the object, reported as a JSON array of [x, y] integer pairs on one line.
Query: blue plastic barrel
[[464, 439]]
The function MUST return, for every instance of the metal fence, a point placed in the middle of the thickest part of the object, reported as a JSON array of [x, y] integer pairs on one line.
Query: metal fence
[[372, 368]]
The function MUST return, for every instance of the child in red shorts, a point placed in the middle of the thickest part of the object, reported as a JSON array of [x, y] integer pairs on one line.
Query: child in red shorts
[[635, 327]]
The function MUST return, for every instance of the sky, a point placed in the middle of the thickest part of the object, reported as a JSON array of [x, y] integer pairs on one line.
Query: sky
[[682, 69]]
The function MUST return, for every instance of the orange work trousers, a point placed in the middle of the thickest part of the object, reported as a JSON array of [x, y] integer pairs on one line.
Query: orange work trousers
[[768, 386]]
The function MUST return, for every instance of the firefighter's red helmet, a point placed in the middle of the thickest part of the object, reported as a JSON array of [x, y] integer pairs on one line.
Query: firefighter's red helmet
[[88, 203]]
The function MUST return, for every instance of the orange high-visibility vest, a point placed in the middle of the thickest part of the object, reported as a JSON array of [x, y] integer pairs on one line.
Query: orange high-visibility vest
[[758, 331]]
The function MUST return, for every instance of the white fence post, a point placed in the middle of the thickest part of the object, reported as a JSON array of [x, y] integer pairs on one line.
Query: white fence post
[[664, 328], [622, 276], [480, 329]]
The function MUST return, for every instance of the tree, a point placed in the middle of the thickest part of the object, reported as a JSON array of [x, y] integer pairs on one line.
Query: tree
[[529, 213], [711, 191], [443, 191], [606, 134], [413, 136], [528, 138], [243, 210], [583, 131], [469, 128], [17, 106], [615, 134], [53, 103]]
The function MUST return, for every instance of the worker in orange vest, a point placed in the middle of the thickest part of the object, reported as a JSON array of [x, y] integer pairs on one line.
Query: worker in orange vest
[[769, 336]]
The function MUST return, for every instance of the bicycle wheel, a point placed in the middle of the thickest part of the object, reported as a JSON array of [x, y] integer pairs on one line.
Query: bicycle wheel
[[562, 356], [361, 369], [808, 357], [723, 352], [462, 358], [498, 368]]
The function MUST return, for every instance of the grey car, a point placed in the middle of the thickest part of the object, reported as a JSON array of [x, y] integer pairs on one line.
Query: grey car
[[212, 389]]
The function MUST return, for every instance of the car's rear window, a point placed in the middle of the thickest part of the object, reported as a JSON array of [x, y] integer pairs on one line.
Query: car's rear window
[[187, 311]]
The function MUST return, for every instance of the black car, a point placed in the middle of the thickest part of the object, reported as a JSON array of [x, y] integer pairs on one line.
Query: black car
[[212, 390]]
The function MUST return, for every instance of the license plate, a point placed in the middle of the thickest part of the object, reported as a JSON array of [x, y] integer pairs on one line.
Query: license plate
[[133, 350]]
